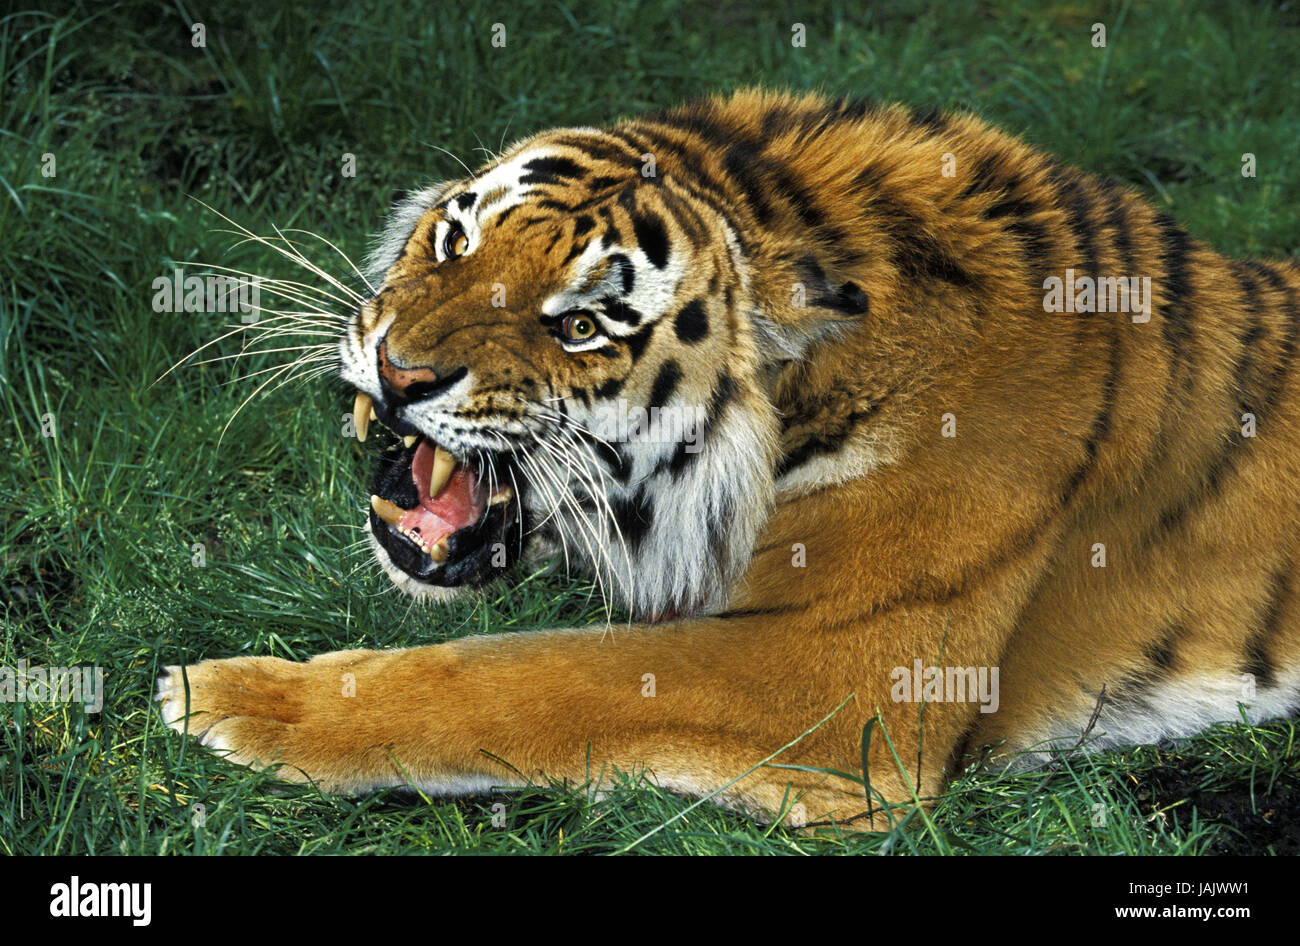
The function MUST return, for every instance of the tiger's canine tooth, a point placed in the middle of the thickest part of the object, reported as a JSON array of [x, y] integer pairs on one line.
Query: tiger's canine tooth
[[504, 496], [363, 411], [408, 441], [391, 513], [443, 465], [439, 552]]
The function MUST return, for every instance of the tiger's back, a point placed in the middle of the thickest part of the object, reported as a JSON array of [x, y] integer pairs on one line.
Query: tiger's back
[[1163, 445]]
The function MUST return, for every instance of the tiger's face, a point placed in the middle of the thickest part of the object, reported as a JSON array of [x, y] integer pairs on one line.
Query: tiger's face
[[558, 344]]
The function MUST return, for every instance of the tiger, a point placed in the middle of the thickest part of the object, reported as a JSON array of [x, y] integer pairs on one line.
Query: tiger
[[900, 443]]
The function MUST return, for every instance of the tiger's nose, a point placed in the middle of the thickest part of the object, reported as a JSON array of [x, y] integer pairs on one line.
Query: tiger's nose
[[406, 384]]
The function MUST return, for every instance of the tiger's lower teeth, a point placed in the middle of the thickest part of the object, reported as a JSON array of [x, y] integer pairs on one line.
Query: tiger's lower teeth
[[437, 552]]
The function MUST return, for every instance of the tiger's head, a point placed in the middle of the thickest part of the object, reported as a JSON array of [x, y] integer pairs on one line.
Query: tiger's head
[[568, 348]]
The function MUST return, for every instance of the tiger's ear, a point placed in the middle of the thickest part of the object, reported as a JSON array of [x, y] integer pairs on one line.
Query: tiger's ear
[[827, 292], [405, 213], [819, 306], [848, 298]]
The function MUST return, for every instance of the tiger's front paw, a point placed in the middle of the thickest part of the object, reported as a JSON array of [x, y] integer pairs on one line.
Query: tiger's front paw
[[271, 713]]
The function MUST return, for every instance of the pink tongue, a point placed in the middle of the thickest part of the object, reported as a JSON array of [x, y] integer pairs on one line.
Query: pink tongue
[[459, 504]]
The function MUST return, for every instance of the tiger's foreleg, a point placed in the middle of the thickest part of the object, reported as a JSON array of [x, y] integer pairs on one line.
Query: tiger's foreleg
[[698, 705]]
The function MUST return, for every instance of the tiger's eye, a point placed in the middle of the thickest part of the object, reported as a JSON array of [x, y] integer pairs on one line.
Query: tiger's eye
[[578, 328], [455, 243]]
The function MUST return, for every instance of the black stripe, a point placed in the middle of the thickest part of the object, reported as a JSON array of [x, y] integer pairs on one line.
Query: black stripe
[[1163, 651], [723, 393], [781, 119], [609, 388], [691, 323], [551, 170], [651, 237], [830, 439], [739, 161], [1010, 207], [916, 252], [930, 119], [1258, 658], [1101, 423], [1248, 387], [618, 310], [611, 235], [856, 108], [683, 217], [1176, 314], [574, 252], [1117, 221], [758, 176], [634, 516], [1074, 194], [1207, 487], [721, 397], [1287, 356], [505, 214], [694, 178], [665, 384], [1172, 293], [836, 243], [1132, 690], [603, 148], [985, 177], [627, 272], [805, 208], [620, 466], [1034, 241], [1210, 481], [637, 341], [758, 612]]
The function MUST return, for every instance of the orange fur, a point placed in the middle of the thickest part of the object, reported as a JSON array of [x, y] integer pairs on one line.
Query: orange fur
[[876, 540]]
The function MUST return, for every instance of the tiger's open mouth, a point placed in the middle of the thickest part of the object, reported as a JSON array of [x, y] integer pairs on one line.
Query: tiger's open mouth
[[437, 518]]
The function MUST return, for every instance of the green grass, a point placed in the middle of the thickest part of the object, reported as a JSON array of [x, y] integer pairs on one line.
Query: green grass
[[99, 520]]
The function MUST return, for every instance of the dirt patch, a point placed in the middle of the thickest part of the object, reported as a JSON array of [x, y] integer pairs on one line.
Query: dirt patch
[[1253, 819]]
